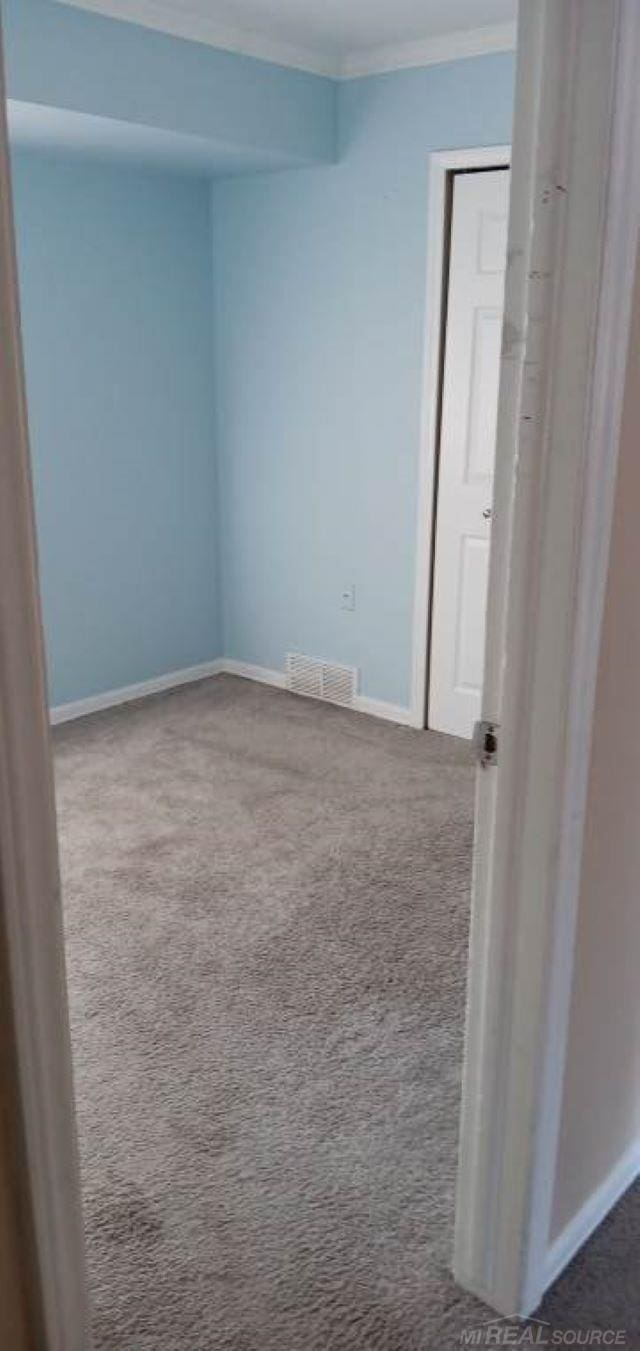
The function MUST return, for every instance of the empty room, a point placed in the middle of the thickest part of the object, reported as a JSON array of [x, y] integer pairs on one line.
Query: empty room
[[261, 253]]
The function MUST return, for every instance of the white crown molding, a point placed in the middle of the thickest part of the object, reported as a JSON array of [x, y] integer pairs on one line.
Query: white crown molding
[[499, 37], [181, 22], [184, 23]]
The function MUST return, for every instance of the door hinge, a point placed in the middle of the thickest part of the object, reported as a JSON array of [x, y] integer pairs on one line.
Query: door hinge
[[485, 741]]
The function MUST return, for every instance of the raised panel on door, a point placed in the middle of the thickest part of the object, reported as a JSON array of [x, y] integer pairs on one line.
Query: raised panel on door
[[483, 400], [467, 448], [469, 647]]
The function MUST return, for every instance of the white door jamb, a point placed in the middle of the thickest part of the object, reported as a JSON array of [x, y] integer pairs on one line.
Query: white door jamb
[[441, 164], [575, 214], [41, 1093]]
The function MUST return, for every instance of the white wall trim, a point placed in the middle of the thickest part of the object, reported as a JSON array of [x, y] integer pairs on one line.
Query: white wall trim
[[441, 163], [39, 1090], [575, 212], [591, 1214], [618, 261], [379, 708], [468, 42], [374, 708], [263, 675], [180, 22], [95, 703]]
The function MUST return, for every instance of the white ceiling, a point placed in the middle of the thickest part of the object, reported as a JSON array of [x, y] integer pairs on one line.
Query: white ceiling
[[330, 37]]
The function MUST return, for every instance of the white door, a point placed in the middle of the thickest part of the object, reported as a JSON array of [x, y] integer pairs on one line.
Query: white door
[[467, 447]]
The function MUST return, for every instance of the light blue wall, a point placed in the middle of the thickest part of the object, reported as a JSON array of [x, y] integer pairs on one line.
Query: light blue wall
[[66, 58], [268, 473], [319, 280], [115, 277]]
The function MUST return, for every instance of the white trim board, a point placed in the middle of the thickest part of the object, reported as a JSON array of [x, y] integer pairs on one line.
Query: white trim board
[[374, 708], [575, 210], [609, 351], [179, 22], [595, 1209], [126, 694], [43, 1224], [497, 37], [263, 675], [441, 163]]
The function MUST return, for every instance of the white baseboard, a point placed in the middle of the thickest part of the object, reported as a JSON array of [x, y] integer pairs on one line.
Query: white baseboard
[[591, 1214], [379, 708], [80, 708], [264, 675], [375, 708]]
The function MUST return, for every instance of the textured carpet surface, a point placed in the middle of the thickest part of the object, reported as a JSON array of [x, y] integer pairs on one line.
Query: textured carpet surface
[[266, 906]]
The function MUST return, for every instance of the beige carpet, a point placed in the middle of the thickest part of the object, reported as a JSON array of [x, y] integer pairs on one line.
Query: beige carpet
[[266, 906]]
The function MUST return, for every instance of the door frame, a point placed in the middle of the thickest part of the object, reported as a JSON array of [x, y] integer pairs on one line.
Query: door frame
[[37, 1089], [572, 255], [442, 163], [515, 1047]]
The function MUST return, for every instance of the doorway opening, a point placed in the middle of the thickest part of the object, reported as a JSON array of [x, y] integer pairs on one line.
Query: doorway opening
[[469, 203], [527, 839]]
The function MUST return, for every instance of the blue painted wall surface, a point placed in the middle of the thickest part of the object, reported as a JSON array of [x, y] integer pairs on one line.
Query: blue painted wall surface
[[319, 282], [115, 277], [71, 59], [318, 319]]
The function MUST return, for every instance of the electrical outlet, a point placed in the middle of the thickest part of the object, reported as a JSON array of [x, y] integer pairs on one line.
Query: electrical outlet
[[348, 597]]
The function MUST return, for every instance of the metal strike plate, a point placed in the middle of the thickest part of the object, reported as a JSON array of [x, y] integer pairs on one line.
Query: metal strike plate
[[485, 741]]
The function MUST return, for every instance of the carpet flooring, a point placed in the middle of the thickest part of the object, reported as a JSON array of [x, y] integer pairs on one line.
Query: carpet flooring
[[266, 904]]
